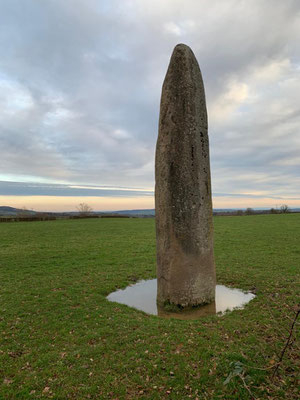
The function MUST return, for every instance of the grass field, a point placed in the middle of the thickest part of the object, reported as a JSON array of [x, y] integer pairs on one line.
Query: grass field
[[60, 338]]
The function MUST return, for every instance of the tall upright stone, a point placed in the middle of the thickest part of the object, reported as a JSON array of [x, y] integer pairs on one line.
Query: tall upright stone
[[184, 229]]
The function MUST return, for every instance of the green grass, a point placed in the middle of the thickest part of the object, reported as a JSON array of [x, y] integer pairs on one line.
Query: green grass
[[60, 338]]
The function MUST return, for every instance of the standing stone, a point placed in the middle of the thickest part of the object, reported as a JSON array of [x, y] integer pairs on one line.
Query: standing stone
[[184, 230]]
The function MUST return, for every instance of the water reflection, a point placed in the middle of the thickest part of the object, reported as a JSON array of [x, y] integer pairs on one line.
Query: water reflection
[[142, 296]]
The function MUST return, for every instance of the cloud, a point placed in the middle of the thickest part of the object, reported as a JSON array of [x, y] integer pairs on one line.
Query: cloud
[[80, 85], [60, 190]]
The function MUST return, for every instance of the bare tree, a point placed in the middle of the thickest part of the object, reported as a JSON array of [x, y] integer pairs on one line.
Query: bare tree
[[84, 209], [284, 209]]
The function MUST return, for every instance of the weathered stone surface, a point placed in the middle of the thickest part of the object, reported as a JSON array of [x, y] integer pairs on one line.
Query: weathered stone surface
[[184, 229], [188, 313]]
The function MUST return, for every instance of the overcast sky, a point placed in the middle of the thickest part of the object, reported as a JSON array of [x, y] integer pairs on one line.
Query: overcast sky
[[80, 85]]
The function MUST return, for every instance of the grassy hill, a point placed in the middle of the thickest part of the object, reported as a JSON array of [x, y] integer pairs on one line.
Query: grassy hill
[[61, 339]]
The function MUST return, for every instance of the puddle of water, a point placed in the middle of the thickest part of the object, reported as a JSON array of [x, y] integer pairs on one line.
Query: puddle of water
[[142, 296]]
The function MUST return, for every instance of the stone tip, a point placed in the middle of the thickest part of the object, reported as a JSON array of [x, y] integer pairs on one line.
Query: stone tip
[[181, 47], [182, 63], [182, 52]]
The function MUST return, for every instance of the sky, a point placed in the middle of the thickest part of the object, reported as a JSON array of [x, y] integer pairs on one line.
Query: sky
[[80, 86]]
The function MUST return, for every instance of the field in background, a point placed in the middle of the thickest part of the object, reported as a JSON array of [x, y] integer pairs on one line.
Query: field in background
[[60, 338]]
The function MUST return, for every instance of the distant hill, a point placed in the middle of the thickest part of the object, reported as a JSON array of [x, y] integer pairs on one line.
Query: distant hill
[[6, 210], [12, 211], [151, 212]]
